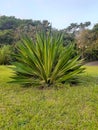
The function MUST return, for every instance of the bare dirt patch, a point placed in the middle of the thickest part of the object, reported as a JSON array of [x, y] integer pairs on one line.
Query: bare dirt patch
[[93, 63]]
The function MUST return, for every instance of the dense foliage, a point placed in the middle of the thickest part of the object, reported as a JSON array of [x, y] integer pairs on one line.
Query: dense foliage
[[45, 61], [12, 29], [86, 40], [5, 55]]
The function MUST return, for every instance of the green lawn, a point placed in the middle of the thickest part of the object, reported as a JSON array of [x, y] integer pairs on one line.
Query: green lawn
[[67, 108]]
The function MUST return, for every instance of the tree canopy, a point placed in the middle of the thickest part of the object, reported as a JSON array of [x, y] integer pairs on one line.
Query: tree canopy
[[86, 40]]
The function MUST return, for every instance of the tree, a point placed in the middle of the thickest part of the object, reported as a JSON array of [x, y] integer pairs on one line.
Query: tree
[[87, 43], [6, 37], [83, 41], [83, 26], [72, 28]]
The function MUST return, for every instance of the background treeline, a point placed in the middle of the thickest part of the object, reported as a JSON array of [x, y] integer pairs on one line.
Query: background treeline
[[13, 29]]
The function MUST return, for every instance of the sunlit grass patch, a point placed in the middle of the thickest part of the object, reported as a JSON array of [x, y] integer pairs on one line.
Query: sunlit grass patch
[[67, 108]]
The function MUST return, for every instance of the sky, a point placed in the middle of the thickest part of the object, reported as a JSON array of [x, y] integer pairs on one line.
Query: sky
[[60, 13]]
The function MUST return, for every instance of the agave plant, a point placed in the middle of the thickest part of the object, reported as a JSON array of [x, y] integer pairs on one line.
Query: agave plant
[[45, 61]]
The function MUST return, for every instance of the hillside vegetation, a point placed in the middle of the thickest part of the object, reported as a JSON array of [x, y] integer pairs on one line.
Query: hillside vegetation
[[85, 40]]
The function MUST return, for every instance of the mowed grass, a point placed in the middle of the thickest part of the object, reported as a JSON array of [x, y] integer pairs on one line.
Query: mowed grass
[[66, 108]]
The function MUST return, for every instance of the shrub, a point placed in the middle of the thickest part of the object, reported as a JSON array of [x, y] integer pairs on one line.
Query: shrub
[[45, 62], [5, 55]]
